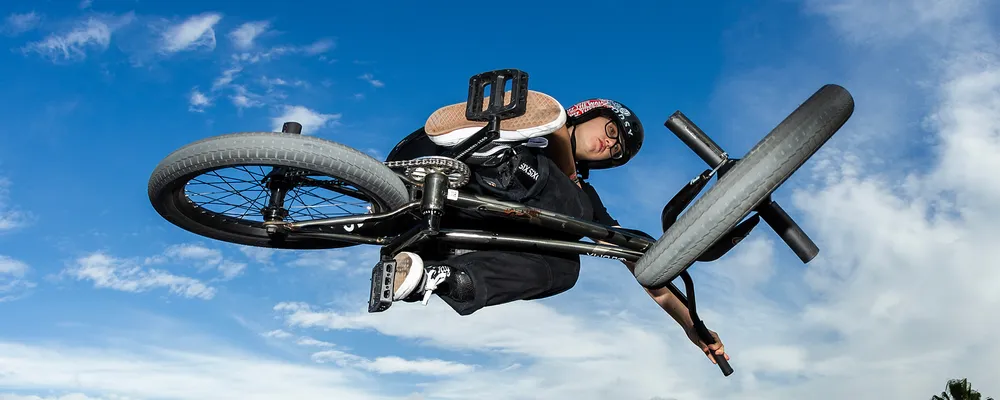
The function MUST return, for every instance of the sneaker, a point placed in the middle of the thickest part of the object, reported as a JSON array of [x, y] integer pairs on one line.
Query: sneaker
[[415, 280], [543, 115]]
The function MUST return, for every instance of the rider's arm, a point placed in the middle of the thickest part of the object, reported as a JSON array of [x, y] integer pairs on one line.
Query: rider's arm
[[668, 302], [601, 214], [663, 296]]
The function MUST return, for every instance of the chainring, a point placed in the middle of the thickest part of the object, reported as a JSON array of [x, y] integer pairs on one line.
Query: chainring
[[417, 169]]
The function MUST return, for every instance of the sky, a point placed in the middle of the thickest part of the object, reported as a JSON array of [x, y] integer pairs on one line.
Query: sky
[[100, 298]]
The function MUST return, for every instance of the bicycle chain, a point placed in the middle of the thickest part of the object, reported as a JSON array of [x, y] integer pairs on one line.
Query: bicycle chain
[[457, 171]]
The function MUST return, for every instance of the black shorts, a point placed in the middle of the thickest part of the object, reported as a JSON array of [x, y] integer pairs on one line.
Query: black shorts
[[504, 276]]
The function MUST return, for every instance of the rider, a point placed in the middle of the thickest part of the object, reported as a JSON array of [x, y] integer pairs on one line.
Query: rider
[[524, 166]]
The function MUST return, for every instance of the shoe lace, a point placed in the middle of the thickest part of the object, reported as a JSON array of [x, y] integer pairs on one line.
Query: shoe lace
[[435, 276]]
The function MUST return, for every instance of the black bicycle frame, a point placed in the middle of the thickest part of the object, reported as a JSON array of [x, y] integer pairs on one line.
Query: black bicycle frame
[[622, 245]]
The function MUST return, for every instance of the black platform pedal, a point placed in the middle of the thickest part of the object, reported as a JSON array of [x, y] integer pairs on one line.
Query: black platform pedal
[[383, 277], [497, 82]]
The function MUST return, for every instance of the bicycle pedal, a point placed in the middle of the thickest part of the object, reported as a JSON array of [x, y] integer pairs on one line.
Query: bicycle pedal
[[495, 105], [383, 277]]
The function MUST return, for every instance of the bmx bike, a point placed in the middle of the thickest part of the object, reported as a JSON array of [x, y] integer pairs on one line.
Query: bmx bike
[[407, 198]]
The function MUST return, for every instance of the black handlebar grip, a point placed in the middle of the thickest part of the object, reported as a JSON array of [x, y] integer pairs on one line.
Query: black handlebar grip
[[695, 138], [788, 230], [707, 337], [723, 364]]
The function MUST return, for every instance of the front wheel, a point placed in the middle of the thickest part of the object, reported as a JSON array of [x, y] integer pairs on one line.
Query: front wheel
[[741, 189], [237, 202]]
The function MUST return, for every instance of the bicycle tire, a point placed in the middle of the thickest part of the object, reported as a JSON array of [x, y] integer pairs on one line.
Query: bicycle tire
[[751, 180], [384, 189]]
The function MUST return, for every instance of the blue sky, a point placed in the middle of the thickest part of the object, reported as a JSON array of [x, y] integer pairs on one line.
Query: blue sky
[[102, 299]]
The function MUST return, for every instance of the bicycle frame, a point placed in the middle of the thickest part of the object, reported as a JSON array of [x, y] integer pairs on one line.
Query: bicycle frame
[[622, 245]]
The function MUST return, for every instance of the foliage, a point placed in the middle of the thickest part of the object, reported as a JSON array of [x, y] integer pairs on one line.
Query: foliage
[[959, 389]]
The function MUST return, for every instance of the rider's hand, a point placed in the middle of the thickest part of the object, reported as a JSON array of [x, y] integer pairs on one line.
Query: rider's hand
[[716, 347]]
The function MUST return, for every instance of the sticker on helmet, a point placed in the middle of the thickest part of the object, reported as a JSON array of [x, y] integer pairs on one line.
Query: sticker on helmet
[[582, 107], [623, 113]]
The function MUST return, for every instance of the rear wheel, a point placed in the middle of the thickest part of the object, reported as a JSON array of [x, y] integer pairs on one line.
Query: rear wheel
[[220, 187], [750, 181]]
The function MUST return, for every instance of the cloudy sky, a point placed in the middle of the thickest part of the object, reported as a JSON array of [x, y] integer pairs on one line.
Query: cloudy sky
[[102, 299]]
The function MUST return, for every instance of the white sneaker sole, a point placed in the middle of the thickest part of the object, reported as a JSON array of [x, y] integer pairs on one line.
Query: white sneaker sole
[[411, 274], [543, 115]]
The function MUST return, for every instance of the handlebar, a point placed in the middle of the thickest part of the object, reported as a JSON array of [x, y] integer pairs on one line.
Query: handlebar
[[773, 214]]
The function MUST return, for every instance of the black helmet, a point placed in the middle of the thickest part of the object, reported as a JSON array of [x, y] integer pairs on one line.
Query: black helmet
[[630, 129]]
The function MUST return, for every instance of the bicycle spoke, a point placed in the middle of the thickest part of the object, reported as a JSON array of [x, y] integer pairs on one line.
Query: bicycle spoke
[[254, 202], [302, 201], [327, 200]]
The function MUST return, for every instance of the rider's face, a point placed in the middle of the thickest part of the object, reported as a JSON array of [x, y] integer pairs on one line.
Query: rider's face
[[597, 139]]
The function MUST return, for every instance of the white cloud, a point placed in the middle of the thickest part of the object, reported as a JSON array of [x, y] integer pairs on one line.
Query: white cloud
[[198, 101], [245, 99], [85, 4], [604, 356], [392, 365], [89, 34], [327, 259], [870, 23], [10, 266], [308, 341], [194, 252], [311, 120], [371, 79], [278, 334], [16, 24], [256, 57], [131, 276], [227, 77], [203, 258], [318, 47], [271, 83], [69, 396], [211, 373], [13, 284], [10, 217], [193, 33], [231, 269], [273, 53], [258, 254], [244, 36]]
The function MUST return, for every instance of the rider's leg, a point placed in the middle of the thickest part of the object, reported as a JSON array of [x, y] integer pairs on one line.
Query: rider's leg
[[478, 279], [499, 277], [543, 115]]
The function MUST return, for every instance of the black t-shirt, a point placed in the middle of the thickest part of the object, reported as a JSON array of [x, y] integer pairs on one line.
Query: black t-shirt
[[601, 214]]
